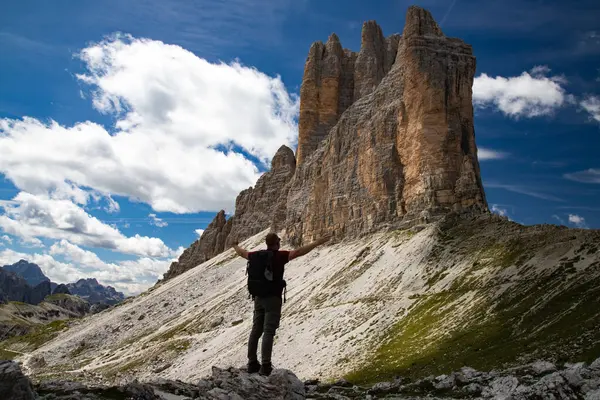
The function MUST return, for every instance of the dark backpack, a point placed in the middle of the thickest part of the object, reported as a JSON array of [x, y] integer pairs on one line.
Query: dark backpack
[[263, 280]]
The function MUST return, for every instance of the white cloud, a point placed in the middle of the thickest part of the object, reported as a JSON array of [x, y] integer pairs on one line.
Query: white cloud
[[29, 216], [591, 175], [531, 94], [174, 255], [112, 206], [559, 219], [591, 104], [178, 118], [488, 154], [577, 220], [199, 232], [154, 220], [7, 239], [130, 276], [499, 210], [32, 242]]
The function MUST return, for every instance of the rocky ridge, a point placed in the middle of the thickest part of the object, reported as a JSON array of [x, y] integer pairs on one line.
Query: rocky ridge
[[386, 138], [26, 282], [94, 293], [255, 209], [15, 288], [402, 151], [31, 272], [18, 319]]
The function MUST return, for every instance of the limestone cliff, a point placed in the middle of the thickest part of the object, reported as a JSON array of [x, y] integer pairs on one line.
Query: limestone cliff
[[255, 209], [386, 138], [335, 78], [403, 150]]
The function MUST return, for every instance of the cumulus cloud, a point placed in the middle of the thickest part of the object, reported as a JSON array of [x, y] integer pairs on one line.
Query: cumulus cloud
[[499, 210], [32, 242], [112, 206], [531, 94], [591, 104], [591, 175], [7, 239], [178, 120], [130, 276], [154, 220], [577, 220], [28, 216], [199, 232], [488, 154]]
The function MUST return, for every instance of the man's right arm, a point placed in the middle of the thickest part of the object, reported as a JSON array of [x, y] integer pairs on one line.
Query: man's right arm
[[240, 252], [306, 249]]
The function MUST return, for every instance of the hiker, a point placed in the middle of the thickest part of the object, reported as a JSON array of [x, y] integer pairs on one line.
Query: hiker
[[266, 285]]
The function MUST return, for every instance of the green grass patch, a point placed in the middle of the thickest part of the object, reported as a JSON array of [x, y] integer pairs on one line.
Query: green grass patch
[[548, 319], [57, 297], [178, 345], [7, 354], [37, 337]]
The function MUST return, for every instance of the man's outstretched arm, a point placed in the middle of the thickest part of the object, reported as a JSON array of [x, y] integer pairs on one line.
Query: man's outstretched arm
[[306, 249], [240, 252]]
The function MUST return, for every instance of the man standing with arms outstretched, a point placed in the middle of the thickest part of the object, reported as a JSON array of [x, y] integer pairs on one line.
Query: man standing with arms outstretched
[[267, 295]]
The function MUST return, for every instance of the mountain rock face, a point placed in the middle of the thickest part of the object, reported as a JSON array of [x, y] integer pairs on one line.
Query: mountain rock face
[[61, 289], [15, 288], [74, 304], [335, 78], [93, 292], [39, 293], [386, 138], [401, 149], [31, 272], [255, 209]]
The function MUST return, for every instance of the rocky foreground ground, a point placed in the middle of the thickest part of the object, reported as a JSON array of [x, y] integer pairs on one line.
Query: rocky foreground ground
[[539, 380]]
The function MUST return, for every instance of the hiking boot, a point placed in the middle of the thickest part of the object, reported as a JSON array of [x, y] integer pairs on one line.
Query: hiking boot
[[265, 369], [253, 367]]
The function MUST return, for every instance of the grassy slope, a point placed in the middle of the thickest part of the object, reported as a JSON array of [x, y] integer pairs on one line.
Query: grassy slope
[[521, 314], [32, 340], [494, 293]]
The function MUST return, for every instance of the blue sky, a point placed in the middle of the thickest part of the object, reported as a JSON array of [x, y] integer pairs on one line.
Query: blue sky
[[191, 128]]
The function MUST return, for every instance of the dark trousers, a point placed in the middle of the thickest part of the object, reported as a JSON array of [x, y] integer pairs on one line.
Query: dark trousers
[[267, 313]]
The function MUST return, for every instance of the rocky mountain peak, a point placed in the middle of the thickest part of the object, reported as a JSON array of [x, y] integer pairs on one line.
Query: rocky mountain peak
[[385, 139], [283, 158], [420, 22], [400, 149], [31, 272], [332, 40]]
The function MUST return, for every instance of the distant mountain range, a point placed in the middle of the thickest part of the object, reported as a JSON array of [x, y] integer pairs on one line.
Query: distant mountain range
[[32, 273], [25, 282], [92, 291]]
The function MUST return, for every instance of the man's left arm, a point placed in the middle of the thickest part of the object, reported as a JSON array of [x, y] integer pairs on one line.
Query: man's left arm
[[240, 252]]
